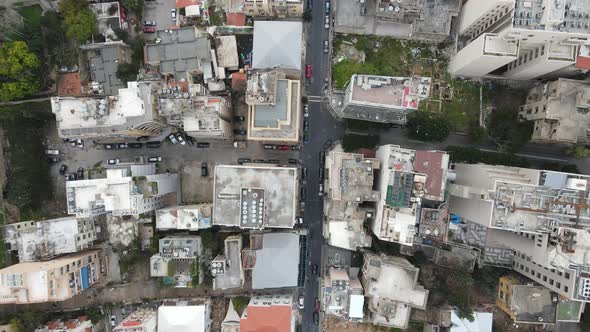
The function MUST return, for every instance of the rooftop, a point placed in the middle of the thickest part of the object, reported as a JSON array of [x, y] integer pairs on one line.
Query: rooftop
[[388, 92], [141, 318], [227, 268], [557, 15], [494, 44], [350, 176], [482, 322], [227, 52], [183, 318], [277, 263], [275, 189], [268, 314], [277, 44], [112, 115], [343, 294], [187, 217], [533, 304], [178, 51], [102, 60], [68, 84]]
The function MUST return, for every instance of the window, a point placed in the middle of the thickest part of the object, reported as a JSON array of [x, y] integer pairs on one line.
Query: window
[[566, 289], [551, 282], [558, 285], [526, 269], [545, 278], [567, 275]]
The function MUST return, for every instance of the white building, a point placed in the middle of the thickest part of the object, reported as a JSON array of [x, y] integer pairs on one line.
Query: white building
[[520, 39], [540, 218], [178, 260], [129, 114], [184, 217], [343, 294], [184, 316], [141, 320], [407, 177], [391, 289], [43, 240], [128, 189], [80, 324], [559, 111]]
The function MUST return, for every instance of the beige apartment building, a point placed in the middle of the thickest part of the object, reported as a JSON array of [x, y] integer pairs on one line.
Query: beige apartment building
[[51, 281], [273, 8]]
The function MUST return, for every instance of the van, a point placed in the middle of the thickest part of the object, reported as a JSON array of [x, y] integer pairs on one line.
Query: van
[[52, 152]]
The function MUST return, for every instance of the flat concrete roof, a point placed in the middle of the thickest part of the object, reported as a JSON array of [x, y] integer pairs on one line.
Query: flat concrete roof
[[277, 44], [533, 304], [277, 263], [279, 186]]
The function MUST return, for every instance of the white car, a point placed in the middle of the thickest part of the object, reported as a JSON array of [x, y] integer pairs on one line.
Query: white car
[[113, 161], [154, 159], [327, 22], [321, 190], [113, 321], [172, 139], [180, 139], [305, 111], [173, 14], [301, 300]]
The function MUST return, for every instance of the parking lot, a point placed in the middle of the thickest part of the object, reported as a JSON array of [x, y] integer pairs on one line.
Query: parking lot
[[158, 11]]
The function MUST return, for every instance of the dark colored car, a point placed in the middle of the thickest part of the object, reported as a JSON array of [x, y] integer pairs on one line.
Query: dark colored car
[[317, 304], [322, 157], [240, 132], [302, 194], [81, 173], [190, 140], [259, 161], [63, 169], [293, 161], [273, 161], [72, 176], [110, 146], [149, 29], [316, 317], [204, 168], [135, 145], [305, 125], [321, 174], [303, 173], [305, 138], [244, 160], [239, 118], [153, 145], [314, 269], [203, 145], [327, 144], [53, 159], [284, 147]]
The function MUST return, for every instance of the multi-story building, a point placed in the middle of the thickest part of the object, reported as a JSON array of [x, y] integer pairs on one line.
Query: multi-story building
[[226, 268], [130, 114], [407, 179], [343, 294], [141, 320], [559, 111], [184, 217], [534, 221], [43, 240], [277, 44], [274, 107], [526, 304], [177, 261], [181, 316], [519, 39], [80, 324], [349, 184], [128, 189], [51, 281], [199, 115], [265, 311], [381, 98], [255, 196], [273, 8], [391, 289], [98, 66]]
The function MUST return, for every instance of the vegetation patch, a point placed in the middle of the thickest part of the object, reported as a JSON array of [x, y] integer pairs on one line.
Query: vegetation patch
[[353, 142], [469, 155], [31, 14]]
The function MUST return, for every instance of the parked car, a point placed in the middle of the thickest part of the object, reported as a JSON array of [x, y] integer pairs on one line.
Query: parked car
[[284, 147], [296, 147], [244, 160], [321, 190], [321, 174], [154, 159], [293, 161], [305, 125], [304, 173], [259, 161], [305, 111], [81, 173], [302, 193], [113, 321], [53, 159], [135, 145], [109, 146], [172, 139], [204, 168], [52, 152], [327, 22], [326, 45], [180, 139], [239, 118], [328, 7], [122, 145], [301, 301], [270, 147], [316, 315], [314, 269], [327, 144], [299, 220], [203, 145], [149, 29], [80, 143], [317, 304], [190, 141], [240, 131], [173, 14], [305, 138], [149, 23], [63, 169], [152, 145], [112, 161], [273, 161], [307, 71], [322, 157], [72, 177]]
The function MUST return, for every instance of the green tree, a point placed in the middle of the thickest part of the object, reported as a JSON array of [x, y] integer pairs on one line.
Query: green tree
[[476, 134], [18, 69], [94, 314], [79, 20], [16, 324], [578, 152], [428, 126], [506, 130], [353, 142], [127, 72]]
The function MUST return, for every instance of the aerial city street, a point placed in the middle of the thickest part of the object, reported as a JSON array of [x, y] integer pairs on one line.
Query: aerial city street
[[299, 165]]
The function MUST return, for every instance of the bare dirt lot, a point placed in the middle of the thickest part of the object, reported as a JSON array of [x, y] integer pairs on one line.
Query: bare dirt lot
[[196, 188], [333, 324]]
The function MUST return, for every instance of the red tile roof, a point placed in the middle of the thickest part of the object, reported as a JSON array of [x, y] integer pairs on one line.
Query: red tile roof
[[583, 62], [275, 318], [236, 19], [430, 163], [68, 84], [186, 3], [238, 81]]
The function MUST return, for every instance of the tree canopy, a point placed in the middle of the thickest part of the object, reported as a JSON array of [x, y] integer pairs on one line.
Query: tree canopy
[[427, 126], [18, 69], [79, 20]]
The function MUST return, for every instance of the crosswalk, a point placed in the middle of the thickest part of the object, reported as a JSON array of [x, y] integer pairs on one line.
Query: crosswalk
[[315, 99]]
